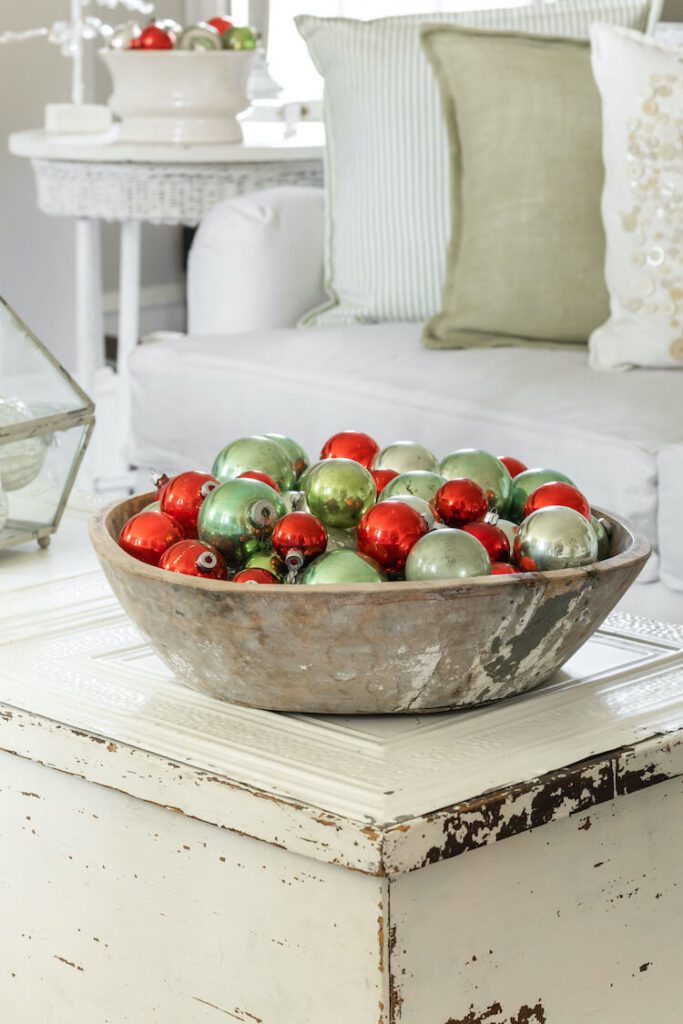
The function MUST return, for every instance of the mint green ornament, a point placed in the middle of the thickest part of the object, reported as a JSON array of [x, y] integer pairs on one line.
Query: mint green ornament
[[294, 501], [340, 539], [527, 482], [243, 38], [447, 555], [154, 506], [485, 469], [603, 532], [419, 504], [339, 492], [297, 456], [269, 561], [238, 518], [342, 567], [422, 483], [555, 538], [259, 453], [404, 457]]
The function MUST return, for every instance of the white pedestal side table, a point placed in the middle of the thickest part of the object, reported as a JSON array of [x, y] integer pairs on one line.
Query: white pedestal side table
[[170, 859]]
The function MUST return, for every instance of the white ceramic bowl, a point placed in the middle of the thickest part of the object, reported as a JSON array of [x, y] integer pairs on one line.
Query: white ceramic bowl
[[179, 95]]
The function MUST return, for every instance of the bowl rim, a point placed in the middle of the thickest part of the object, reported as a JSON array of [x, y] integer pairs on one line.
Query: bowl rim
[[108, 550], [106, 51]]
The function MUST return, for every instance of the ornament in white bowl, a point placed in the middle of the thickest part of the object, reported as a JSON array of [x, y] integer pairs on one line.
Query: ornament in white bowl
[[20, 461]]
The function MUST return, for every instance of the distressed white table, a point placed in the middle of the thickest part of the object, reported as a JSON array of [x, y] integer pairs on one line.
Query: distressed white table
[[166, 858]]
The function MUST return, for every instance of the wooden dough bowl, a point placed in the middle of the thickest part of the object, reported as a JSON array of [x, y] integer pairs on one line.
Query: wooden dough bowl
[[369, 648]]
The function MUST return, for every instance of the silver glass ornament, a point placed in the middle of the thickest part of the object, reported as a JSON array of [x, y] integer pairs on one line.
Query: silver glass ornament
[[419, 504], [555, 538], [420, 482], [342, 567], [123, 35], [255, 453], [447, 555], [405, 456], [199, 37], [526, 483], [20, 461], [603, 532], [485, 469], [338, 540], [299, 458], [238, 518]]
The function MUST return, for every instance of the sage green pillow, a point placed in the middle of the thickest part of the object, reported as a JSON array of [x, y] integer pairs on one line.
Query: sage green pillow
[[527, 250]]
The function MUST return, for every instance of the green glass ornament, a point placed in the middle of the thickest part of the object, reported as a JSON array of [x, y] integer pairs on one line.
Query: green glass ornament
[[154, 506], [243, 38], [338, 540], [295, 501], [297, 456], [419, 504], [421, 483], [238, 518], [603, 532], [339, 492], [259, 453], [508, 528], [342, 567], [404, 457], [485, 469], [528, 481], [555, 538], [447, 555], [269, 561]]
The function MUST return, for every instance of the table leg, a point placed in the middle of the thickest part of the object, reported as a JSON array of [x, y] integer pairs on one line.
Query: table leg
[[89, 320], [129, 314]]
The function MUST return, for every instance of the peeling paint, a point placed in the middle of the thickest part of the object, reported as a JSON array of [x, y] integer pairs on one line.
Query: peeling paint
[[69, 963], [493, 1014]]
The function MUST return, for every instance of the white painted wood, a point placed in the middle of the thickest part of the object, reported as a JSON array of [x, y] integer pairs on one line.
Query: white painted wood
[[89, 317], [129, 316]]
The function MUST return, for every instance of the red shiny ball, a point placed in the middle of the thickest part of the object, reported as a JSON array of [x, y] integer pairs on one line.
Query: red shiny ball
[[135, 43], [154, 38], [192, 558], [220, 23], [493, 539], [148, 534], [460, 501], [382, 478], [255, 576], [182, 497], [299, 532], [556, 493], [351, 444], [256, 474], [388, 531], [513, 466], [503, 569]]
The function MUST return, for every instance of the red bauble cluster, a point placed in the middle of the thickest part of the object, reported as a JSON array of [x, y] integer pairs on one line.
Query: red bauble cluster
[[256, 474], [153, 37], [147, 535], [255, 576], [298, 538], [503, 569], [351, 444], [221, 24], [182, 497], [192, 558], [492, 537], [382, 478], [557, 493], [388, 531], [460, 501], [513, 466]]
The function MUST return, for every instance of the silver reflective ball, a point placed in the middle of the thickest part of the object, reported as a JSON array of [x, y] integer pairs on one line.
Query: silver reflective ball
[[420, 505], [603, 531], [555, 538], [405, 456], [447, 555]]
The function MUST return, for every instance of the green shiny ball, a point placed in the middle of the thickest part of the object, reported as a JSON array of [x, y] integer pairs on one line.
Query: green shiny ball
[[294, 501], [154, 506], [297, 456], [447, 555], [421, 483], [404, 457], [485, 469], [419, 504], [338, 540], [258, 453], [603, 532], [269, 561], [238, 518], [339, 492], [243, 38], [528, 481], [555, 538], [342, 567]]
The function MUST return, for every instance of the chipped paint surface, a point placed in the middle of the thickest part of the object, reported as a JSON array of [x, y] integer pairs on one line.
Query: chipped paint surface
[[494, 1014]]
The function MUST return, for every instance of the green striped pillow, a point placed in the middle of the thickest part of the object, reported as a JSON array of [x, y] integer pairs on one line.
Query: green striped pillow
[[388, 195]]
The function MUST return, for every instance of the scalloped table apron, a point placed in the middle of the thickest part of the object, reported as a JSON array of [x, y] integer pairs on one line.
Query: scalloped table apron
[[170, 859]]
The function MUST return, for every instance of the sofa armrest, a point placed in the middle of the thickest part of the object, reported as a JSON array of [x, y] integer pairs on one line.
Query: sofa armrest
[[257, 262]]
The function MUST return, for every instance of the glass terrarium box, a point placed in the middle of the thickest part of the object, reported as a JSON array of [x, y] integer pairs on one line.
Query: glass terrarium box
[[45, 424]]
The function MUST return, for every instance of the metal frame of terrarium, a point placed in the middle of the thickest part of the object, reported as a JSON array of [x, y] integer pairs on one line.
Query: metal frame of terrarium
[[20, 531]]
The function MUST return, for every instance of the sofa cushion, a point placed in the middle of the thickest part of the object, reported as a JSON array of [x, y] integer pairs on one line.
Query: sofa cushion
[[620, 436]]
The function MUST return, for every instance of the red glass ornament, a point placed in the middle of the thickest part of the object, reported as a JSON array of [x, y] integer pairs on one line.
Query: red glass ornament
[[493, 539], [557, 493], [388, 531], [192, 558], [460, 501], [148, 534], [182, 497], [513, 466], [154, 38], [382, 478], [255, 576], [301, 534], [256, 474], [351, 444], [220, 23], [503, 569]]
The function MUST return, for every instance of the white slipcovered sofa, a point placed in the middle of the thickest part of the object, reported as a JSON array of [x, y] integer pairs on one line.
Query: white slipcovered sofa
[[244, 367]]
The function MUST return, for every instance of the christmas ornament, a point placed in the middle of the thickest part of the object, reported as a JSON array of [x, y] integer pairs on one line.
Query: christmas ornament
[[555, 538], [460, 501], [508, 528], [199, 37], [303, 479], [603, 532], [159, 481], [255, 576], [421, 483], [485, 469], [192, 558], [4, 509], [154, 506], [171, 26], [182, 497], [257, 452], [503, 569], [419, 504], [351, 444], [527, 482], [220, 23], [20, 461], [298, 538], [341, 539], [154, 38], [387, 533], [295, 501], [342, 567], [492, 537], [255, 474], [556, 493], [148, 534], [123, 35], [269, 561], [298, 457], [339, 492], [244, 38], [382, 478], [513, 466], [238, 518], [405, 457], [447, 555]]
